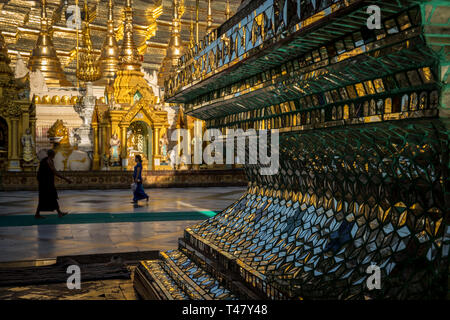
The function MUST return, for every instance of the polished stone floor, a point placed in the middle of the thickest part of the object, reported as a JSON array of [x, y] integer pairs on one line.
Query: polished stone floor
[[43, 241], [111, 289]]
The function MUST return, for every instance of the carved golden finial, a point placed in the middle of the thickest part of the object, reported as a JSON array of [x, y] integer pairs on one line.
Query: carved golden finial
[[227, 10], [43, 56], [209, 19], [191, 33], [89, 70], [129, 58], [175, 48], [109, 58], [197, 5]]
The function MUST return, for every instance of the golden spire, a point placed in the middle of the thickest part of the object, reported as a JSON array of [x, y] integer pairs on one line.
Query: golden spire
[[129, 58], [43, 56], [174, 49], [110, 51], [227, 10], [89, 70], [209, 19]]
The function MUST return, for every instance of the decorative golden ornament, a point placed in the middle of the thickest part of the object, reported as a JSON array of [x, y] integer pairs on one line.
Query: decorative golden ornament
[[59, 133], [46, 99], [89, 70], [36, 100], [56, 100], [74, 100], [65, 100]]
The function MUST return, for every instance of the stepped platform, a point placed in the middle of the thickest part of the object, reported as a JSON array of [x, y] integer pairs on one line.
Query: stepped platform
[[362, 184]]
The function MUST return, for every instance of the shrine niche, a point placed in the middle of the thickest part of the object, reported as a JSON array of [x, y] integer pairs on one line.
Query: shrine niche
[[137, 130]]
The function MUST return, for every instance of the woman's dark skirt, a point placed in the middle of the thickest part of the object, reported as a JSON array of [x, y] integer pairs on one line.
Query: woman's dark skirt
[[139, 194]]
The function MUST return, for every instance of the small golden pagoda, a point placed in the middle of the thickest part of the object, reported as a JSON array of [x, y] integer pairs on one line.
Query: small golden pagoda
[[17, 119], [109, 58], [129, 83], [44, 57], [175, 49]]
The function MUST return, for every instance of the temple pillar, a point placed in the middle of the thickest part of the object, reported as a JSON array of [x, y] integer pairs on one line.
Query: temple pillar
[[33, 128], [103, 140], [14, 163], [123, 137], [108, 135], [156, 142], [25, 119], [96, 156]]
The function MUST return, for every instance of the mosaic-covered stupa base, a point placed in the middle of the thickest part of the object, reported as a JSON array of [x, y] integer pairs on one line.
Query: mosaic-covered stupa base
[[343, 199]]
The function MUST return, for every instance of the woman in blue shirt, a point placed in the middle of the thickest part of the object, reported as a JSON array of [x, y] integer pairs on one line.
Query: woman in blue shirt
[[139, 193]]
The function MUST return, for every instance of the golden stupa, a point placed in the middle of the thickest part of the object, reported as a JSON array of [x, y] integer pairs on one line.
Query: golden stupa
[[43, 56], [109, 58], [130, 84]]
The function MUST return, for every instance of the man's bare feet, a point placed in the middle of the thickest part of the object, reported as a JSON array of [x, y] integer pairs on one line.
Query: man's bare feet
[[39, 216], [62, 214]]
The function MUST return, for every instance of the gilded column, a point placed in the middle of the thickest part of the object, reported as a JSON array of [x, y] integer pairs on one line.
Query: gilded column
[[33, 128], [156, 143], [123, 136], [15, 128], [96, 164], [109, 134], [14, 164], [104, 142]]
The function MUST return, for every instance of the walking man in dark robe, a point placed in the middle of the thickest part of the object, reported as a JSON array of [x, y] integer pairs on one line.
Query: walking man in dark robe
[[48, 197]]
